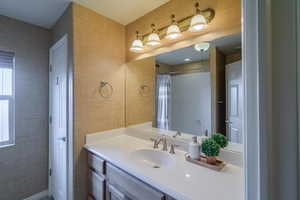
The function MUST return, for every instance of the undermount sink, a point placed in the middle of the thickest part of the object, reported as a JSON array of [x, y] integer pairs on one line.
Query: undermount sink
[[153, 158]]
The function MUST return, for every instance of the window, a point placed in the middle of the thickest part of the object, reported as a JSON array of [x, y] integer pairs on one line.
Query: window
[[6, 98]]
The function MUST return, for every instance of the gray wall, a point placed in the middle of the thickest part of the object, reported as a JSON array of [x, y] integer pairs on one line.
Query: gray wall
[[63, 26], [284, 178], [24, 166]]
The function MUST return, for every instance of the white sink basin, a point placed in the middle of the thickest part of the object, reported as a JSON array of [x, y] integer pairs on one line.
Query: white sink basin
[[153, 158]]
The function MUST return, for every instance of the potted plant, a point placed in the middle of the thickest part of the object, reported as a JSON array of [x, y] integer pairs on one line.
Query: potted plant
[[211, 149], [220, 139]]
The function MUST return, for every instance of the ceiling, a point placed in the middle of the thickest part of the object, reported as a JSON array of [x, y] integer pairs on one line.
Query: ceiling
[[122, 11], [45, 13], [226, 45]]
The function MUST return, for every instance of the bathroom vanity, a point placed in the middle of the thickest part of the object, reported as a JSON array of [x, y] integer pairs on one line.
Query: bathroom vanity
[[107, 181], [123, 166]]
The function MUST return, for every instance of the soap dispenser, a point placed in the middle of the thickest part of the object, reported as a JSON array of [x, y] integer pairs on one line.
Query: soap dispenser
[[194, 148]]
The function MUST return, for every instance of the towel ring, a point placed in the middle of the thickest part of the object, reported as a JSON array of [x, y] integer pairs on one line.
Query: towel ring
[[144, 90], [103, 84]]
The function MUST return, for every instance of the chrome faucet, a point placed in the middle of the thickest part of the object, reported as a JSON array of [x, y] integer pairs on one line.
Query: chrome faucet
[[163, 139], [172, 149], [178, 133], [165, 144]]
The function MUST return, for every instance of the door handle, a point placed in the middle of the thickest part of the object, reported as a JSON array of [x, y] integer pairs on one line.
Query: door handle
[[64, 139]]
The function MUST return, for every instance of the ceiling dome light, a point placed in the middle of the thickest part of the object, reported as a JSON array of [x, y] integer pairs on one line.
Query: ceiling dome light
[[204, 46], [173, 30], [153, 38], [198, 22], [137, 45]]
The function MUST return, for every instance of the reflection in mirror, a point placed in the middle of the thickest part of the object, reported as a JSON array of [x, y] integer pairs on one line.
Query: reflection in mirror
[[199, 89]]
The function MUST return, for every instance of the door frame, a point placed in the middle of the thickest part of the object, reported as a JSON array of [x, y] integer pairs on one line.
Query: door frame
[[69, 125], [254, 16], [298, 89]]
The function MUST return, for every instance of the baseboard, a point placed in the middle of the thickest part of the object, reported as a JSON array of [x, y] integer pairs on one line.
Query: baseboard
[[38, 196]]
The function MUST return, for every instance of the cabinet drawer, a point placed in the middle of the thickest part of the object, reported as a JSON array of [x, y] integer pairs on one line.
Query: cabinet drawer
[[96, 186], [96, 163], [130, 186]]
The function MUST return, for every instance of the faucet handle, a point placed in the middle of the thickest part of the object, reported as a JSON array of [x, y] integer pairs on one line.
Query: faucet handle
[[172, 149], [155, 143], [165, 143], [178, 133]]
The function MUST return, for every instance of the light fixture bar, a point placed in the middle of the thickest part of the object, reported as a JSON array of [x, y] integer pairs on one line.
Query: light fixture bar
[[183, 24]]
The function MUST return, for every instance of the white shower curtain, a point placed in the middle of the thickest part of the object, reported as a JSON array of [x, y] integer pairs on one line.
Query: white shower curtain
[[163, 101]]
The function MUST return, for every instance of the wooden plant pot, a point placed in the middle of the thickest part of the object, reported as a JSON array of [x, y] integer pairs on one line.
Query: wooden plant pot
[[211, 160]]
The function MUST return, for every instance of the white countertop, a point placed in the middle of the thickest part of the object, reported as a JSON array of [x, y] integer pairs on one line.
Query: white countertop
[[183, 180]]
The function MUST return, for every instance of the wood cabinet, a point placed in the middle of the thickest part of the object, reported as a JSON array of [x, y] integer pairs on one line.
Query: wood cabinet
[[108, 182], [96, 163], [112, 193], [96, 186], [131, 187]]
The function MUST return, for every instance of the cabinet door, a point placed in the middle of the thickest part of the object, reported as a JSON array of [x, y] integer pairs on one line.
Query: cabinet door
[[131, 186], [115, 194], [96, 186], [169, 198]]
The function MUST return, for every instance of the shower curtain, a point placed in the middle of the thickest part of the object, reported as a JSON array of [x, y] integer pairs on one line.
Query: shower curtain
[[163, 101]]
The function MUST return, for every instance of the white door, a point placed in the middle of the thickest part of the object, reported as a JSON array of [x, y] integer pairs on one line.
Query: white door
[[234, 106], [58, 123]]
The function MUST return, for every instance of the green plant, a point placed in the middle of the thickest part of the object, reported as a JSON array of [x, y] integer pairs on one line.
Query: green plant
[[220, 139], [210, 147]]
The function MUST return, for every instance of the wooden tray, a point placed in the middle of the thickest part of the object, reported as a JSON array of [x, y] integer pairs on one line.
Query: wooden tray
[[202, 162]]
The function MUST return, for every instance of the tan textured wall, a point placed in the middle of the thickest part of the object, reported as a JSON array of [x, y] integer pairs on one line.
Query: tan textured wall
[[99, 54], [140, 107], [227, 21]]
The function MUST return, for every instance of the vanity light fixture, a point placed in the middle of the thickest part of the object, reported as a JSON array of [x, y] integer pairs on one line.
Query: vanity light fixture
[[173, 31], [201, 47], [153, 38], [198, 21], [137, 45], [193, 24]]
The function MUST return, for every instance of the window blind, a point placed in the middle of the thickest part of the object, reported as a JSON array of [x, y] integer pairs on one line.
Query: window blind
[[6, 59], [6, 98]]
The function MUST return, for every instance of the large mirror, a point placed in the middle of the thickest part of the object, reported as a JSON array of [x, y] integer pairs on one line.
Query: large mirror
[[195, 90]]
